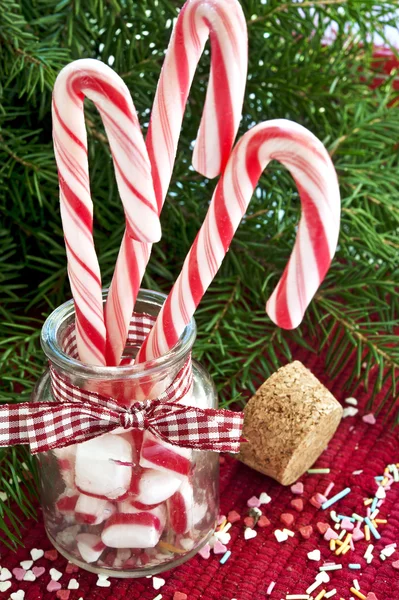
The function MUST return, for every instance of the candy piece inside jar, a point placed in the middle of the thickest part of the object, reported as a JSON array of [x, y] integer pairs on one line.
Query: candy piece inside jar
[[133, 527], [103, 466]]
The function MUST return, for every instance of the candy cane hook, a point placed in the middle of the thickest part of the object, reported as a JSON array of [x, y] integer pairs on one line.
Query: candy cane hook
[[224, 23], [311, 167], [105, 88]]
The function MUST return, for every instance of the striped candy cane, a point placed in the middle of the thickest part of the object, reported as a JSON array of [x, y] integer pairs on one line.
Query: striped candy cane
[[104, 87], [310, 165], [223, 21]]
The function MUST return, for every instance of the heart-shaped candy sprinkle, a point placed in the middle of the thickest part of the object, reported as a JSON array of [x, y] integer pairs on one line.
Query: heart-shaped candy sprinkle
[[323, 577], [37, 571], [371, 596], [53, 586], [264, 498], [396, 564], [306, 531], [249, 522], [314, 555], [232, 517], [297, 503], [18, 573], [205, 551], [5, 585], [5, 574], [179, 596], [369, 419], [347, 524], [51, 554], [322, 527], [253, 502], [36, 553], [281, 536], [29, 576], [26, 564], [158, 582], [357, 535], [71, 568], [287, 519], [223, 536], [55, 575], [249, 533], [19, 595], [219, 548], [63, 594], [263, 521], [73, 584], [297, 488], [330, 534]]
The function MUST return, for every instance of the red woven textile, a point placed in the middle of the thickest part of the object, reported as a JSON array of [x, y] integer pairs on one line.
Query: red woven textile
[[255, 563]]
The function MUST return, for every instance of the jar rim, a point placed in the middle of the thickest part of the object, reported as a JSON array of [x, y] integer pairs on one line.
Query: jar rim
[[50, 342]]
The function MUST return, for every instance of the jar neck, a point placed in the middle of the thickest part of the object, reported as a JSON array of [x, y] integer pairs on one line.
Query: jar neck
[[125, 383]]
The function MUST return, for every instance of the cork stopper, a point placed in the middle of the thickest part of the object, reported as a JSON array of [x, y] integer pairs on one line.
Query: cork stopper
[[288, 423]]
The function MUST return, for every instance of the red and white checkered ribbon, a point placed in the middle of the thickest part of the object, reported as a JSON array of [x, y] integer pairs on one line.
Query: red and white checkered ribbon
[[78, 415]]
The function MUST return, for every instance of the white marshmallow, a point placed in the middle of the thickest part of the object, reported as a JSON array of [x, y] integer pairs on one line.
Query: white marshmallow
[[103, 466], [134, 529]]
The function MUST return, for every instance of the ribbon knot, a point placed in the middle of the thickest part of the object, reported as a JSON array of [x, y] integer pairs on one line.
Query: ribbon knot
[[136, 416]]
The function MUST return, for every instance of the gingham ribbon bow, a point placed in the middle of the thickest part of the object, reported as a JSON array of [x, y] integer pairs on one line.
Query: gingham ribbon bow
[[56, 424], [78, 414]]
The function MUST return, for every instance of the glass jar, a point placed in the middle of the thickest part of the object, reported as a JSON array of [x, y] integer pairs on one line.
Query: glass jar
[[106, 508]]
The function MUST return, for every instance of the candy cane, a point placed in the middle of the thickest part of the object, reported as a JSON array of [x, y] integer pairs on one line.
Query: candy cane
[[105, 88], [223, 21], [310, 165]]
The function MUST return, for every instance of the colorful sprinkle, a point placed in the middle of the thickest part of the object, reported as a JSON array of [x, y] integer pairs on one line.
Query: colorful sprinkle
[[333, 567], [318, 471], [225, 557], [270, 588], [335, 498], [358, 594], [372, 528]]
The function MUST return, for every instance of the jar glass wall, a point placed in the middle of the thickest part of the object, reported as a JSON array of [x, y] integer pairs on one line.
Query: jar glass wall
[[126, 503]]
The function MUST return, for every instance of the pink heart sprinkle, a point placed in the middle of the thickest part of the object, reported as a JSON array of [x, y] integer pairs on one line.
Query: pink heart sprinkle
[[287, 519], [219, 548], [205, 552], [37, 571], [253, 502], [370, 419], [371, 596], [221, 519], [330, 534], [357, 535], [297, 488], [396, 564], [347, 524], [18, 573], [53, 586]]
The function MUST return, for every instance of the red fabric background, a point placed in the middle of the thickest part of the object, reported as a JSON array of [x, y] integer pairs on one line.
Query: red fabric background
[[255, 563]]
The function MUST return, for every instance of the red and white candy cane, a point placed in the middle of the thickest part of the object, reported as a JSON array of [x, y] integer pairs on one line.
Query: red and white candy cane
[[224, 23], [311, 167], [105, 88]]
